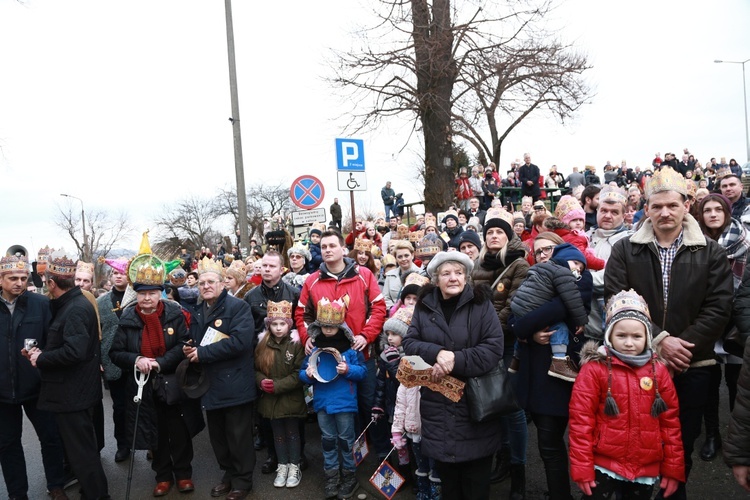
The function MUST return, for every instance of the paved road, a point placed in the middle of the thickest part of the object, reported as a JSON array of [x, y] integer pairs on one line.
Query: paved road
[[708, 480]]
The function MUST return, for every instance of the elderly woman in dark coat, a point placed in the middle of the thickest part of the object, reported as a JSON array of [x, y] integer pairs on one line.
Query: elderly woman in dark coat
[[149, 338], [456, 329]]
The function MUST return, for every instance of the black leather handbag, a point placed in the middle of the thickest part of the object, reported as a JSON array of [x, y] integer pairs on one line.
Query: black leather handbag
[[490, 396]]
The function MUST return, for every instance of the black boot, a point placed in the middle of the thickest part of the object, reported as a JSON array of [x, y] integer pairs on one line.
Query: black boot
[[331, 485], [517, 482], [502, 466], [348, 485], [711, 446]]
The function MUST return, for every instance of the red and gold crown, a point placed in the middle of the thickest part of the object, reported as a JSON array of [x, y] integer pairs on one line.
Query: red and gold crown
[[666, 179], [427, 247], [59, 264], [566, 204], [11, 263], [627, 300], [332, 313], [613, 194], [430, 221], [41, 259], [84, 267], [416, 279], [415, 236], [363, 245], [279, 310]]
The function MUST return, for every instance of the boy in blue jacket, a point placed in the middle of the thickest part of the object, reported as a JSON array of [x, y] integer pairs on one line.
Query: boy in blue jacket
[[333, 368]]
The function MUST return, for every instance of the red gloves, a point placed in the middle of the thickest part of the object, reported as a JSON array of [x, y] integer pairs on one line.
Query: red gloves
[[266, 385]]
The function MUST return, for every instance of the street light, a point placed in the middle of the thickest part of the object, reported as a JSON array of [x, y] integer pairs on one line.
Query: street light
[[83, 224], [744, 93]]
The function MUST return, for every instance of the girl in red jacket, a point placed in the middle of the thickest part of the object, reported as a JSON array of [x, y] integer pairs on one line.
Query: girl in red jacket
[[624, 424]]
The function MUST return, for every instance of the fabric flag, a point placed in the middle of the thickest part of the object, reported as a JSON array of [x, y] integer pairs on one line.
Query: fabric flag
[[360, 449], [387, 480]]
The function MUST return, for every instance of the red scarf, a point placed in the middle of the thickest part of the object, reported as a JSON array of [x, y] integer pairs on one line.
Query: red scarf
[[152, 340]]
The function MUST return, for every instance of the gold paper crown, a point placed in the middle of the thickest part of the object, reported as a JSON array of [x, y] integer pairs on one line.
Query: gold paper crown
[[363, 245], [146, 269], [430, 221], [415, 236], [239, 266], [627, 300], [85, 267], [499, 213], [59, 264], [567, 204], [44, 253], [206, 265], [13, 263], [404, 315], [723, 172], [332, 313], [403, 231], [416, 279], [613, 194], [388, 260], [518, 215], [427, 247], [665, 179], [691, 188], [279, 310]]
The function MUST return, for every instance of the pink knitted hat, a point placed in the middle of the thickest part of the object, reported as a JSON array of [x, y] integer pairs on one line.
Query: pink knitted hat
[[568, 209]]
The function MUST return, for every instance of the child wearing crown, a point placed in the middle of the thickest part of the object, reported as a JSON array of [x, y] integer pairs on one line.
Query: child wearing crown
[[278, 359], [333, 368], [624, 425]]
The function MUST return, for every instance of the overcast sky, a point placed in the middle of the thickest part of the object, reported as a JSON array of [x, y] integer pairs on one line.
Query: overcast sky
[[125, 104]]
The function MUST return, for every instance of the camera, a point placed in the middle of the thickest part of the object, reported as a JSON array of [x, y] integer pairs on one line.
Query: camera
[[29, 344]]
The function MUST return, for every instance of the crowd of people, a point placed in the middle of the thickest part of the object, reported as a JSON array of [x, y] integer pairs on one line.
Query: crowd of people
[[615, 315]]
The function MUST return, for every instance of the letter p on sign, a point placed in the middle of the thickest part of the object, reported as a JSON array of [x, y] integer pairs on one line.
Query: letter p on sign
[[350, 155]]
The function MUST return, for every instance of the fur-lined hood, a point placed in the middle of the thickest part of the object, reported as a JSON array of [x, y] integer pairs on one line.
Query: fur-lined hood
[[314, 330], [594, 351], [294, 335]]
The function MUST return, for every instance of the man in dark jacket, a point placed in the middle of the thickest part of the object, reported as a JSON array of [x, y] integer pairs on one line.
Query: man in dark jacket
[[69, 367], [686, 281], [221, 328], [528, 174], [336, 215], [389, 197], [24, 315]]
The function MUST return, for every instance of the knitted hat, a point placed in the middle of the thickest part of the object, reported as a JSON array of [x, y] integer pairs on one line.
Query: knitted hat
[[629, 305], [470, 237], [565, 252], [413, 284], [400, 321], [450, 215], [498, 217], [300, 249], [238, 271], [443, 257], [569, 209]]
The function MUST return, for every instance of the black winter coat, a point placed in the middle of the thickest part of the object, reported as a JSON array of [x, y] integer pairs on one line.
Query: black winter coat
[[19, 381], [476, 337], [69, 364], [126, 348], [258, 299], [536, 391], [229, 364]]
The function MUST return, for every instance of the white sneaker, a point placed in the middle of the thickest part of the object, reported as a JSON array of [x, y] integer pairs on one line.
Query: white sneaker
[[281, 473], [294, 477]]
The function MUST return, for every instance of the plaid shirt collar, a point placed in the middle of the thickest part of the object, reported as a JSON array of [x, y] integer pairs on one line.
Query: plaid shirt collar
[[666, 258]]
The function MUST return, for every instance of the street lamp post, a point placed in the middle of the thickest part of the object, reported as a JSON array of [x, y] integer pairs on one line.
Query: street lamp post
[[744, 93], [84, 257]]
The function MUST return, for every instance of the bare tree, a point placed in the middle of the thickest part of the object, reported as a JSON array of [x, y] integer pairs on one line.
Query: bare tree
[[423, 60], [263, 201], [103, 230], [191, 220]]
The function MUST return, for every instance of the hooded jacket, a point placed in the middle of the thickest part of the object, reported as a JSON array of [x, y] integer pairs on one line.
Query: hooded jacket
[[633, 443], [700, 286], [366, 312], [475, 336], [287, 399]]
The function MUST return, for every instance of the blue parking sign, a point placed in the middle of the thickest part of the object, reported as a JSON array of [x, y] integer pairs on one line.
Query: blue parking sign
[[350, 155]]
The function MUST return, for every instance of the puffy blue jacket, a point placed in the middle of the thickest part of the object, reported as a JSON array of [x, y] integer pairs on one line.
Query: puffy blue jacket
[[339, 395], [19, 381]]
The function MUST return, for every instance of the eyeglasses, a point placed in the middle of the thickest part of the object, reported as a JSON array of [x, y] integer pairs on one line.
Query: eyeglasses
[[544, 250], [207, 283]]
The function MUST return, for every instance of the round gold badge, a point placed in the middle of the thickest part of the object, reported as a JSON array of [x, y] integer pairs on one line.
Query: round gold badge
[[170, 331], [217, 323], [647, 384], [500, 287]]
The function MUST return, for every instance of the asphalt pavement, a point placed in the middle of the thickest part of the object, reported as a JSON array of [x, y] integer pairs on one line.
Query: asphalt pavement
[[708, 480]]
